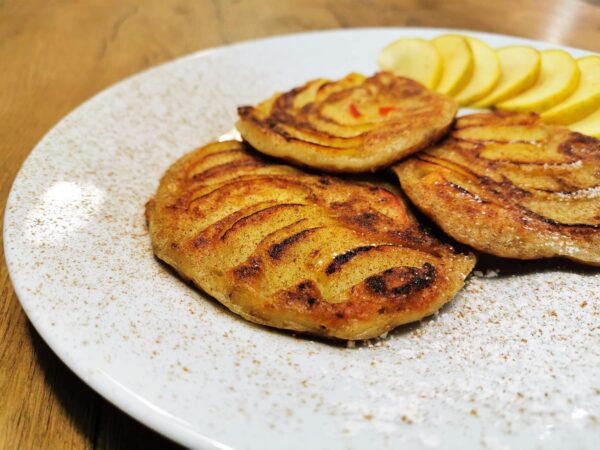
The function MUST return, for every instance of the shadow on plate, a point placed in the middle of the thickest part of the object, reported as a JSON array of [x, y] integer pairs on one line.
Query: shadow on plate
[[510, 267]]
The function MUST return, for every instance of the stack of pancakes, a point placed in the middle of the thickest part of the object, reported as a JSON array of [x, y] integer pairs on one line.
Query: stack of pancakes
[[300, 249]]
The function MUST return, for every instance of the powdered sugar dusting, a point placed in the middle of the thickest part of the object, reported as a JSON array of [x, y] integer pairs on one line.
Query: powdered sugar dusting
[[570, 165], [581, 194]]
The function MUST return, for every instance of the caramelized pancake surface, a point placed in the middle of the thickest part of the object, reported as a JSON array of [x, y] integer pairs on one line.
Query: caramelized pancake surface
[[510, 185], [355, 124], [296, 251]]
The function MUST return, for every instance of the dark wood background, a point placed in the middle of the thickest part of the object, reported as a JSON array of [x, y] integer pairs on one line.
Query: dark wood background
[[54, 54]]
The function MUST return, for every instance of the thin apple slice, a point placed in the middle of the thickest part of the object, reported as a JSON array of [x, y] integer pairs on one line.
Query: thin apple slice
[[520, 66], [584, 100], [412, 58], [558, 78], [457, 63], [589, 125], [486, 72]]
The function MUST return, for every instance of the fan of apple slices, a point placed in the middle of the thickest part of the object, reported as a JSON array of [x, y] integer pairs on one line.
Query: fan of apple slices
[[552, 83]]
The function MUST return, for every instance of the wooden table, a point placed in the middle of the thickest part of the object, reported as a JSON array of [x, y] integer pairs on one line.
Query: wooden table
[[55, 54]]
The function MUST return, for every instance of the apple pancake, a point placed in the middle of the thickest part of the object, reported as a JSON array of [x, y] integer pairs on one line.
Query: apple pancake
[[356, 124], [302, 252], [510, 185]]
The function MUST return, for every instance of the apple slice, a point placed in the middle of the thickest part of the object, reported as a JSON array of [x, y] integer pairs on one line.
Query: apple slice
[[457, 62], [412, 58], [486, 72], [558, 78], [520, 67], [589, 125], [584, 100]]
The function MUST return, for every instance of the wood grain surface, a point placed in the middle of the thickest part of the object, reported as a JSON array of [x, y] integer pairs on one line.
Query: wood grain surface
[[56, 53]]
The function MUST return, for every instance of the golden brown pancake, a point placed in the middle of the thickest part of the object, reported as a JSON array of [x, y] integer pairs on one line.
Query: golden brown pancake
[[292, 250], [356, 124], [510, 185]]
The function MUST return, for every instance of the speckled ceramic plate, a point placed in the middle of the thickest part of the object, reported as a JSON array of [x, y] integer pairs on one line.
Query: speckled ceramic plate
[[513, 361]]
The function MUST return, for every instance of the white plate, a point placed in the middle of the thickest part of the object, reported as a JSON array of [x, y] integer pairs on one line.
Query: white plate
[[513, 361]]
